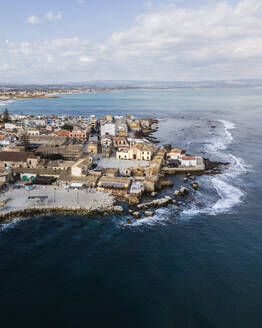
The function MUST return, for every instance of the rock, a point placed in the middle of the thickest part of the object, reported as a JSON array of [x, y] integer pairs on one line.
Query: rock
[[185, 179], [165, 183], [130, 211], [118, 209], [177, 193], [175, 202], [149, 213], [132, 200], [168, 197], [137, 214], [188, 174], [194, 185], [184, 190], [155, 203], [102, 223], [192, 178], [153, 194], [129, 221]]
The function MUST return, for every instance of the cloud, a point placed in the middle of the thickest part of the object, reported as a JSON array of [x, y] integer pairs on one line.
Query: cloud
[[86, 59], [50, 16], [54, 17], [218, 41], [34, 20], [148, 4], [80, 2]]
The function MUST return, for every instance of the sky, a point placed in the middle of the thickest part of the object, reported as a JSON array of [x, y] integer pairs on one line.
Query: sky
[[62, 41]]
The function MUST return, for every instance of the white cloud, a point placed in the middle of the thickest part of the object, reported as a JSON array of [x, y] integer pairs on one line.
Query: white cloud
[[50, 16], [54, 17], [86, 59], [148, 4], [34, 20], [218, 41], [80, 2]]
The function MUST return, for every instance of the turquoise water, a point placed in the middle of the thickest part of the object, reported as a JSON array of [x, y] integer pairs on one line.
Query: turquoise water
[[197, 268]]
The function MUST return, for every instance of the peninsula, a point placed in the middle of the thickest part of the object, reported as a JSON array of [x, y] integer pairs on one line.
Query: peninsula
[[86, 165]]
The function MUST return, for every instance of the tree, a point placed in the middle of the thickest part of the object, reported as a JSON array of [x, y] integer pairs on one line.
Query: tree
[[68, 127], [6, 116]]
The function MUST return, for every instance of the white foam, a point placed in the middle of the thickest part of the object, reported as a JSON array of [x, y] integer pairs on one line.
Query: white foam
[[160, 217], [4, 103], [8, 225], [229, 196]]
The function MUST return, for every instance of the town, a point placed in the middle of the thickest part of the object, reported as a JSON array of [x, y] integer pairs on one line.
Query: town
[[66, 161], [23, 92]]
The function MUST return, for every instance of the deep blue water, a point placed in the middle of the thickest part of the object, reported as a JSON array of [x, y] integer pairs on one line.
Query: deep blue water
[[198, 268]]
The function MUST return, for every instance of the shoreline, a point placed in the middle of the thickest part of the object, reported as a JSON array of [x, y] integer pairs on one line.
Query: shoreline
[[36, 212]]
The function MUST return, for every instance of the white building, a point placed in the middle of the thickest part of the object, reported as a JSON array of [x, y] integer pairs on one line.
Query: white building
[[174, 154], [191, 161], [10, 126], [137, 187], [108, 129]]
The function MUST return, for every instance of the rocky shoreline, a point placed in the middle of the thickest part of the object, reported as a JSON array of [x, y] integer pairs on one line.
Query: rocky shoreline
[[33, 212]]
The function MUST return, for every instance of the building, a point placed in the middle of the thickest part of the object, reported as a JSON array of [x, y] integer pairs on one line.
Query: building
[[80, 168], [137, 188], [191, 161], [106, 145], [81, 135], [134, 125], [123, 153], [14, 160], [115, 185], [69, 152], [139, 151], [48, 140], [120, 141], [108, 128], [92, 147], [33, 132], [174, 154]]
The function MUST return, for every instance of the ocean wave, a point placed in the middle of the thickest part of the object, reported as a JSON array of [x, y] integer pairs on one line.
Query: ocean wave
[[229, 196], [4, 103], [161, 217], [8, 225], [225, 186], [221, 193]]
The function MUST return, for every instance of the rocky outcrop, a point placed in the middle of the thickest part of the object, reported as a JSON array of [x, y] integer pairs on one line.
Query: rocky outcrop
[[118, 209], [156, 203], [149, 213], [31, 212], [164, 184], [194, 185], [132, 199], [184, 191], [137, 214]]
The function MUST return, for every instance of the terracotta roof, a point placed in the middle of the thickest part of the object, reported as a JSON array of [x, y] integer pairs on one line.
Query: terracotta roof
[[188, 158], [13, 156]]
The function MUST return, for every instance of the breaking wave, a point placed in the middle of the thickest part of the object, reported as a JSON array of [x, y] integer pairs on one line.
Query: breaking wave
[[8, 225], [225, 184], [224, 187], [6, 102]]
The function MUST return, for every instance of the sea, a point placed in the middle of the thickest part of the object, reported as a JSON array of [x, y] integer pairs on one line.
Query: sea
[[199, 265]]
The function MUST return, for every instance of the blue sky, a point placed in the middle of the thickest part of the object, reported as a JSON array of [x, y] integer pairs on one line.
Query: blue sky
[[81, 40]]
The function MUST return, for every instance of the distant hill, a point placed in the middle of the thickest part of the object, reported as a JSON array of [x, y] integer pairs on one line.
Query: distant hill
[[122, 84]]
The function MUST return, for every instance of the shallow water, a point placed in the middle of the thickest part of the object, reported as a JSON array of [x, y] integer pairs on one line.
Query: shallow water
[[197, 268]]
